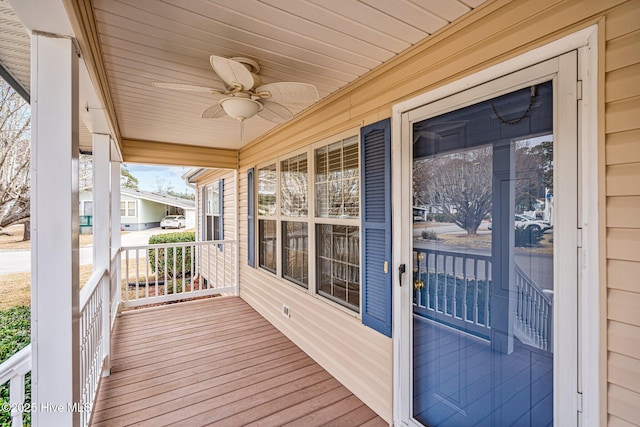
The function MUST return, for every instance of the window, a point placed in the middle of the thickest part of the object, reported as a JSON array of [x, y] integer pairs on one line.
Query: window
[[214, 215], [87, 208], [128, 208], [267, 243], [295, 256], [337, 195], [286, 197], [338, 263], [293, 186], [294, 190], [267, 218], [337, 180]]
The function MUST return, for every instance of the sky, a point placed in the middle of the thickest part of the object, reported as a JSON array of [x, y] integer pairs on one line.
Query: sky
[[149, 175]]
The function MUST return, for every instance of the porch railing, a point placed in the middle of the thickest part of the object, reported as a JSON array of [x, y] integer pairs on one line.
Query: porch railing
[[172, 272], [534, 313], [13, 371], [453, 288], [92, 339], [139, 275]]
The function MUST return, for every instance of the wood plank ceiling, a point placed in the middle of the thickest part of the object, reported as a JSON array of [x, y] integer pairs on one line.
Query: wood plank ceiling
[[328, 43]]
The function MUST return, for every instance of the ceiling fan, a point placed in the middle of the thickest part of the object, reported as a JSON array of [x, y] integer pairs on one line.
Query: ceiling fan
[[245, 95]]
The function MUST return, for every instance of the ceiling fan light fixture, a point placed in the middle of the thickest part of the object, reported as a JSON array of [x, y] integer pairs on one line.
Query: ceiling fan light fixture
[[240, 108]]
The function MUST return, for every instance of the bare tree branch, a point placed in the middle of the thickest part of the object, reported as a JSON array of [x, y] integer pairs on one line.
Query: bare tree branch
[[15, 188]]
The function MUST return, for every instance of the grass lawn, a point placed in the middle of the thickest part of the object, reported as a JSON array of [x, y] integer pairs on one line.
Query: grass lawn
[[14, 242], [16, 288]]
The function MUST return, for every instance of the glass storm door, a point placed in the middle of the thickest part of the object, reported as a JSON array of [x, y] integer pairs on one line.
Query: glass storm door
[[489, 256]]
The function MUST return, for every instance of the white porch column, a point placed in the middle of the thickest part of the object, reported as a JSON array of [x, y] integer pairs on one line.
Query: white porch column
[[115, 229], [115, 205], [102, 233], [54, 231]]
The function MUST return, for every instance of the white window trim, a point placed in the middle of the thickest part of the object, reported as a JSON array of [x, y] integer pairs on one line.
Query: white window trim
[[590, 328]]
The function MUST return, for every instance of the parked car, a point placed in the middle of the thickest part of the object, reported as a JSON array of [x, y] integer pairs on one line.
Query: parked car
[[528, 222], [531, 223], [173, 221]]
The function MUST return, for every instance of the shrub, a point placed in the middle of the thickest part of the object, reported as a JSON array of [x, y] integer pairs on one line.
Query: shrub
[[168, 253], [527, 236], [429, 235], [15, 333]]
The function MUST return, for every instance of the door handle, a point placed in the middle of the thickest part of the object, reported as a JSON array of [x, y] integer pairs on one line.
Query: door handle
[[401, 270]]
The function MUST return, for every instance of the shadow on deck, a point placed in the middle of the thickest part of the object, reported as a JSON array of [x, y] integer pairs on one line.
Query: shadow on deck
[[217, 362]]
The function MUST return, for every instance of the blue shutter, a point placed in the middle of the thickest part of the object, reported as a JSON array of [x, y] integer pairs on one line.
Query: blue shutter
[[375, 164], [203, 201], [251, 244], [221, 204]]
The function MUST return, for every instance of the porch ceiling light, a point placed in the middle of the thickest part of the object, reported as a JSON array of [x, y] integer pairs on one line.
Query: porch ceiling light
[[240, 108]]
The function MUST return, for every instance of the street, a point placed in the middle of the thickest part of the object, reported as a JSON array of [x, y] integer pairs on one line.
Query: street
[[19, 260]]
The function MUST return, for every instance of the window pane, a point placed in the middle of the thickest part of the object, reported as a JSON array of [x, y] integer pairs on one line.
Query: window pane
[[295, 258], [123, 208], [337, 180], [293, 186], [132, 208], [338, 257], [213, 199], [267, 190], [267, 244]]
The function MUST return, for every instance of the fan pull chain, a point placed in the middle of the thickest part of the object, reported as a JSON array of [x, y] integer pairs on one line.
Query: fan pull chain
[[519, 119]]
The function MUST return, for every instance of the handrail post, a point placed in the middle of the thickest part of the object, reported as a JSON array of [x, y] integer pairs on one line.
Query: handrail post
[[16, 399]]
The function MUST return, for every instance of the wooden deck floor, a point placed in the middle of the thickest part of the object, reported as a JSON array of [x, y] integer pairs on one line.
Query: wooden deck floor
[[217, 362]]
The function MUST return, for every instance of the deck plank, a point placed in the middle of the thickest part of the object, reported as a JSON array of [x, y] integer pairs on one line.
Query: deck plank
[[216, 362]]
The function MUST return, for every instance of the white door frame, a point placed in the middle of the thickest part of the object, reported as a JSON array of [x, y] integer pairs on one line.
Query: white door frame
[[585, 42]]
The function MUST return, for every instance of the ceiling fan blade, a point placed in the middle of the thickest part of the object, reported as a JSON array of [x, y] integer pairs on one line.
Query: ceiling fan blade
[[232, 72], [289, 92], [187, 88], [213, 112], [275, 112]]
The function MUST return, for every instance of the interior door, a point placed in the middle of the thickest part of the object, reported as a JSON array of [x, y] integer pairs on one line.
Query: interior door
[[492, 336]]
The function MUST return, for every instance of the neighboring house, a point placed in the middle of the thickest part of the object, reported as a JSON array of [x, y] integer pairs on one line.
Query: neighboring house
[[321, 206], [140, 210]]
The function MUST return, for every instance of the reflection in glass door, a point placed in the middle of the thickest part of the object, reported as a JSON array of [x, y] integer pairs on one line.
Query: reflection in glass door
[[483, 287]]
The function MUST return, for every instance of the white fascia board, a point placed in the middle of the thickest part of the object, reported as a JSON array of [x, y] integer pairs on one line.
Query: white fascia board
[[45, 16]]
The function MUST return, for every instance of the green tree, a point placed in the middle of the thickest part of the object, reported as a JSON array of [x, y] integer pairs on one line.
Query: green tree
[[127, 180]]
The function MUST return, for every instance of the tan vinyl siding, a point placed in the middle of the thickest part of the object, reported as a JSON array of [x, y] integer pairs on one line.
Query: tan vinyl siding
[[491, 34], [622, 128]]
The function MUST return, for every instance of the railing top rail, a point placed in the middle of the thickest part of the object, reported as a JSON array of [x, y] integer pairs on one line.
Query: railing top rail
[[177, 244], [89, 288], [465, 255], [18, 364]]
